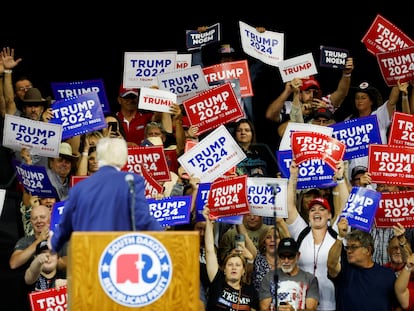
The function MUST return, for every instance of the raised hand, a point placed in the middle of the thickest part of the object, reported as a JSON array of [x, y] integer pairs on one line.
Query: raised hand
[[7, 57]]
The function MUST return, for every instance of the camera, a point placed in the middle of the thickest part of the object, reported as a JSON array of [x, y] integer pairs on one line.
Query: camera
[[317, 94]]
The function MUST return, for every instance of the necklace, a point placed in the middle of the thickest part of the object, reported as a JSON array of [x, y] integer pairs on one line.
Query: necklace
[[316, 253]]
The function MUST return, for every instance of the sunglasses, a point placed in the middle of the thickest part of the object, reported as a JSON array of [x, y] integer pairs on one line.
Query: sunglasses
[[284, 256]]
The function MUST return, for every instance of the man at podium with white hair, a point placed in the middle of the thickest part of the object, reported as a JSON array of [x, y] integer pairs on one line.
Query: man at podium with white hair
[[108, 200]]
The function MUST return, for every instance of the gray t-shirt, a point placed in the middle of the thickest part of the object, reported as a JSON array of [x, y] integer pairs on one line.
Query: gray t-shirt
[[292, 289]]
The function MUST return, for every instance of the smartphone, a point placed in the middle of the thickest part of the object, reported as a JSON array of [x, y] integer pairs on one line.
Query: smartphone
[[317, 94], [113, 126], [240, 241]]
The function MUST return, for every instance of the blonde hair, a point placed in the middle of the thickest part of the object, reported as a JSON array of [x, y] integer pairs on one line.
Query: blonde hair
[[112, 151]]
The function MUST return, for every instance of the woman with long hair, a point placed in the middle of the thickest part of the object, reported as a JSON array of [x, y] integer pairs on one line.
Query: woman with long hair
[[229, 289]]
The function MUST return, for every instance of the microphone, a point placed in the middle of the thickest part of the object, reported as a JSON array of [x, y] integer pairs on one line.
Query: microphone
[[129, 178]]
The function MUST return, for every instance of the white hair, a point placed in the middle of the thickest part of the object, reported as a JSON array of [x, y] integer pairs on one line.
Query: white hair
[[112, 151]]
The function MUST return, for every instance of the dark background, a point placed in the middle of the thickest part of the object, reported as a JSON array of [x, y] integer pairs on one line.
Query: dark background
[[70, 42]]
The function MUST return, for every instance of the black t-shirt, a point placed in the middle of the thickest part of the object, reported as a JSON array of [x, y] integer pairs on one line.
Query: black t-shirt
[[222, 296], [259, 162]]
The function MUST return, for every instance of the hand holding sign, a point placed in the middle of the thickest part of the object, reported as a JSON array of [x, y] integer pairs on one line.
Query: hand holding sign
[[309, 145], [228, 197]]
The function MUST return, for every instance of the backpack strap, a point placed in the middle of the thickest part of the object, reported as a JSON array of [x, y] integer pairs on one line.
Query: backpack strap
[[306, 231], [302, 235]]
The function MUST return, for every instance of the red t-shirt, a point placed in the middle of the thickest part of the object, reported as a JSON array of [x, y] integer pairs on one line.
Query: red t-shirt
[[135, 129]]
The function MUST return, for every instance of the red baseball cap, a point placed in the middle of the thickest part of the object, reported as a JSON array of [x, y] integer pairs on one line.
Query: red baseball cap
[[309, 83], [124, 91], [322, 201]]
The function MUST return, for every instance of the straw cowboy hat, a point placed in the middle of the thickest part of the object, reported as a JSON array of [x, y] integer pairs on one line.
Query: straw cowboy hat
[[65, 151]]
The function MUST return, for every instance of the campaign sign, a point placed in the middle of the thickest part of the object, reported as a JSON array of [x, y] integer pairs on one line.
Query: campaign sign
[[384, 36], [184, 83], [65, 90], [152, 188], [357, 134], [189, 144], [228, 196], [172, 161], [142, 68], [308, 145], [285, 143], [212, 108], [195, 39], [395, 207], [156, 100], [391, 164], [183, 61], [35, 180], [49, 299], [267, 46], [235, 84], [79, 115], [300, 66], [57, 212], [171, 211], [402, 130], [333, 57], [397, 65], [214, 155], [313, 173], [267, 196], [201, 199], [229, 71], [152, 158], [361, 207], [41, 138], [75, 179]]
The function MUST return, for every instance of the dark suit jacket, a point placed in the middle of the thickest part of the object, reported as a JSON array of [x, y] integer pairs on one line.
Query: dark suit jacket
[[102, 202]]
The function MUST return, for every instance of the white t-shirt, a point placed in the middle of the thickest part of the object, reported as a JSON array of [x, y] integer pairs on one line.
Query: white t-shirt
[[311, 254]]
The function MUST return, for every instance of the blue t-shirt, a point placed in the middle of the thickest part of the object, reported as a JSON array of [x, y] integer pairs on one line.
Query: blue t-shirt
[[362, 289]]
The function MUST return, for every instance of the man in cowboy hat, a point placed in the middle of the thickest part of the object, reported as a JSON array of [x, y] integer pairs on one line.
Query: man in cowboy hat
[[60, 169], [35, 107]]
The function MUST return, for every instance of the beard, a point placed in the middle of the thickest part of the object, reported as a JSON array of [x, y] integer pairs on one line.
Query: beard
[[287, 269]]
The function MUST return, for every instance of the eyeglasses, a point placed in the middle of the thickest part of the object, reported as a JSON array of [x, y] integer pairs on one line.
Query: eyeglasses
[[290, 256], [24, 88], [352, 247]]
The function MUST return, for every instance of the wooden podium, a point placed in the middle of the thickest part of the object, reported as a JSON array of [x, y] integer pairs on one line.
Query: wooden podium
[[86, 292]]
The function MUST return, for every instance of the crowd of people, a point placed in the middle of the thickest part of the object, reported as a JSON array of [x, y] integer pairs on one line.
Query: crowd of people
[[310, 260]]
